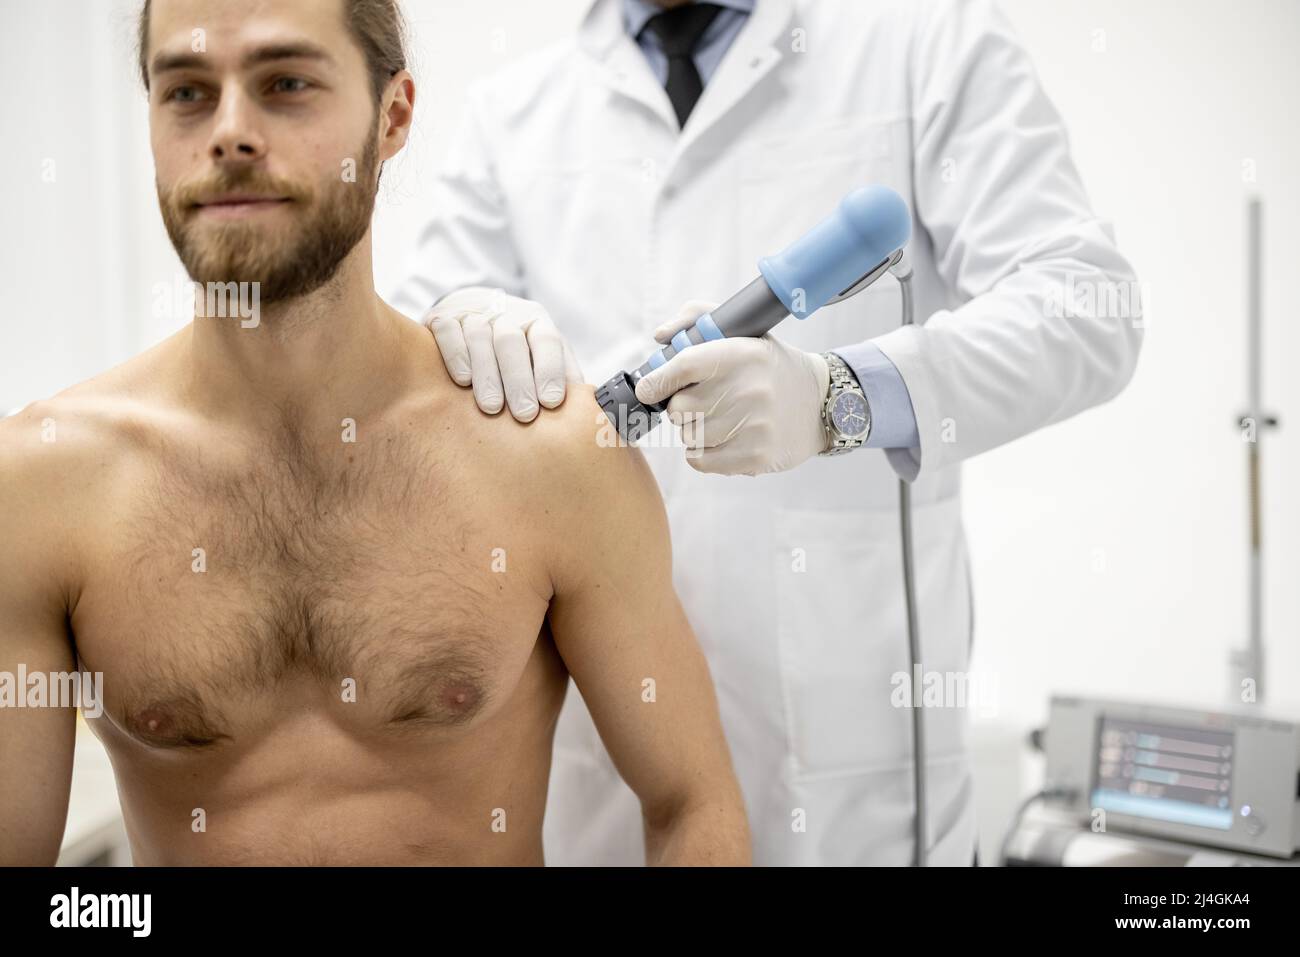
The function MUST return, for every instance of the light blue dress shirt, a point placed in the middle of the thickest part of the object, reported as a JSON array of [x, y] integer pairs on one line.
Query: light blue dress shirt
[[893, 421]]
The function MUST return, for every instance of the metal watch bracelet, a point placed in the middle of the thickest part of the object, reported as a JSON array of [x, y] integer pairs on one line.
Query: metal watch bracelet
[[842, 380]]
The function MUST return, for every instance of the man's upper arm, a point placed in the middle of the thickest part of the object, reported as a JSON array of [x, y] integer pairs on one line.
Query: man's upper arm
[[620, 628], [36, 743]]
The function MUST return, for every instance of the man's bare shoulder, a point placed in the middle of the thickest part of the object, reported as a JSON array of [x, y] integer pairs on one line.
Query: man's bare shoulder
[[591, 493], [55, 451], [577, 450], [560, 453]]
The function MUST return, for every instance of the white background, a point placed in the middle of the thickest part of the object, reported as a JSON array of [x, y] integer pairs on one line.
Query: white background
[[1109, 552]]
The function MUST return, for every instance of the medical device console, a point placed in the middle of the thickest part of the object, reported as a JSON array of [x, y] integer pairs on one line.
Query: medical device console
[[1226, 779]]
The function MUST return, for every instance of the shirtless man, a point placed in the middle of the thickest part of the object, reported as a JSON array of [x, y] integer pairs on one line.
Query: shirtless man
[[334, 605]]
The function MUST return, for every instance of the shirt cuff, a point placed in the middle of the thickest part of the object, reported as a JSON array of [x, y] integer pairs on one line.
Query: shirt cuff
[[893, 422]]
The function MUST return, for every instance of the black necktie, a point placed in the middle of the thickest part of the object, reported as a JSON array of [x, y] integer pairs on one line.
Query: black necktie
[[679, 31]]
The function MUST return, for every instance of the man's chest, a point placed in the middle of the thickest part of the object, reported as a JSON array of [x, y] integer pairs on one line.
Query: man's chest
[[391, 588]]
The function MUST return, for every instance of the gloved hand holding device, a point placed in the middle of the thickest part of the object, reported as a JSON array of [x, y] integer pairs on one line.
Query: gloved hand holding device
[[749, 403], [745, 406]]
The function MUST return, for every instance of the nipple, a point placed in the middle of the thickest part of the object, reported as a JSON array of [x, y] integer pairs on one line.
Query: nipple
[[154, 721], [460, 697]]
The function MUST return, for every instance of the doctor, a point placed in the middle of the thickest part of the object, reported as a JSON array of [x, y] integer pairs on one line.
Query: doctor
[[655, 158]]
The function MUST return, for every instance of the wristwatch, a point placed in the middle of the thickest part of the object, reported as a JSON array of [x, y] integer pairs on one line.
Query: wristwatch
[[845, 413]]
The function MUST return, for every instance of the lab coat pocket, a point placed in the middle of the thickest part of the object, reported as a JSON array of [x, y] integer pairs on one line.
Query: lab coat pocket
[[790, 183], [842, 632], [579, 232]]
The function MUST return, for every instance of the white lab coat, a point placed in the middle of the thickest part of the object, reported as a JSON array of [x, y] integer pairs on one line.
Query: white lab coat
[[569, 183]]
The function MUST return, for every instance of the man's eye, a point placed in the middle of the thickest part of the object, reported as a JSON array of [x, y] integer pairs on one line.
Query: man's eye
[[185, 94], [289, 84]]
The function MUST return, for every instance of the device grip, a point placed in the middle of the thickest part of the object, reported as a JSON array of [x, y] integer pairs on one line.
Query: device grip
[[751, 312]]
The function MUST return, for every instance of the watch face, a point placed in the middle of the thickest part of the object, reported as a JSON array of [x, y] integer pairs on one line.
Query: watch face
[[849, 415]]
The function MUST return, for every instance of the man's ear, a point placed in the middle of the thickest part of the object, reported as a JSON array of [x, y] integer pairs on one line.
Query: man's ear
[[397, 109]]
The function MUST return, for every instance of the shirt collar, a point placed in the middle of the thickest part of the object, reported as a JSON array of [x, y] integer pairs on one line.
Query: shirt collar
[[636, 13]]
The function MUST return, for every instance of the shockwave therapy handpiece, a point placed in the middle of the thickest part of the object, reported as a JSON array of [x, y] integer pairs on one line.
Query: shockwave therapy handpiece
[[846, 252]]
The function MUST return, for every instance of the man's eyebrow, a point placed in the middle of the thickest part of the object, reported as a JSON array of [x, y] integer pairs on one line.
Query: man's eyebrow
[[176, 61], [287, 51], [269, 53]]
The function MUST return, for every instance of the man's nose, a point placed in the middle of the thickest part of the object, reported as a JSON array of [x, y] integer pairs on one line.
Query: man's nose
[[236, 138]]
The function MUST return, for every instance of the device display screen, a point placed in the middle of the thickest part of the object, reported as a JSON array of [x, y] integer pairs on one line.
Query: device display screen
[[1166, 773]]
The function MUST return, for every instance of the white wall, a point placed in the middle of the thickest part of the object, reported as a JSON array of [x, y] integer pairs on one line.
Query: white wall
[[1109, 552]]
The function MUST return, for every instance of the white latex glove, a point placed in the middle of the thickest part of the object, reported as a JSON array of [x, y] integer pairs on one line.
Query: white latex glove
[[745, 406], [501, 344]]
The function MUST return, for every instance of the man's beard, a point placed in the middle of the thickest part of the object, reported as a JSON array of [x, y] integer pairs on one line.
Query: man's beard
[[334, 221]]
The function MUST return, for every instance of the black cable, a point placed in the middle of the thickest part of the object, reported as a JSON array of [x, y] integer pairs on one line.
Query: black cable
[[1062, 793]]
